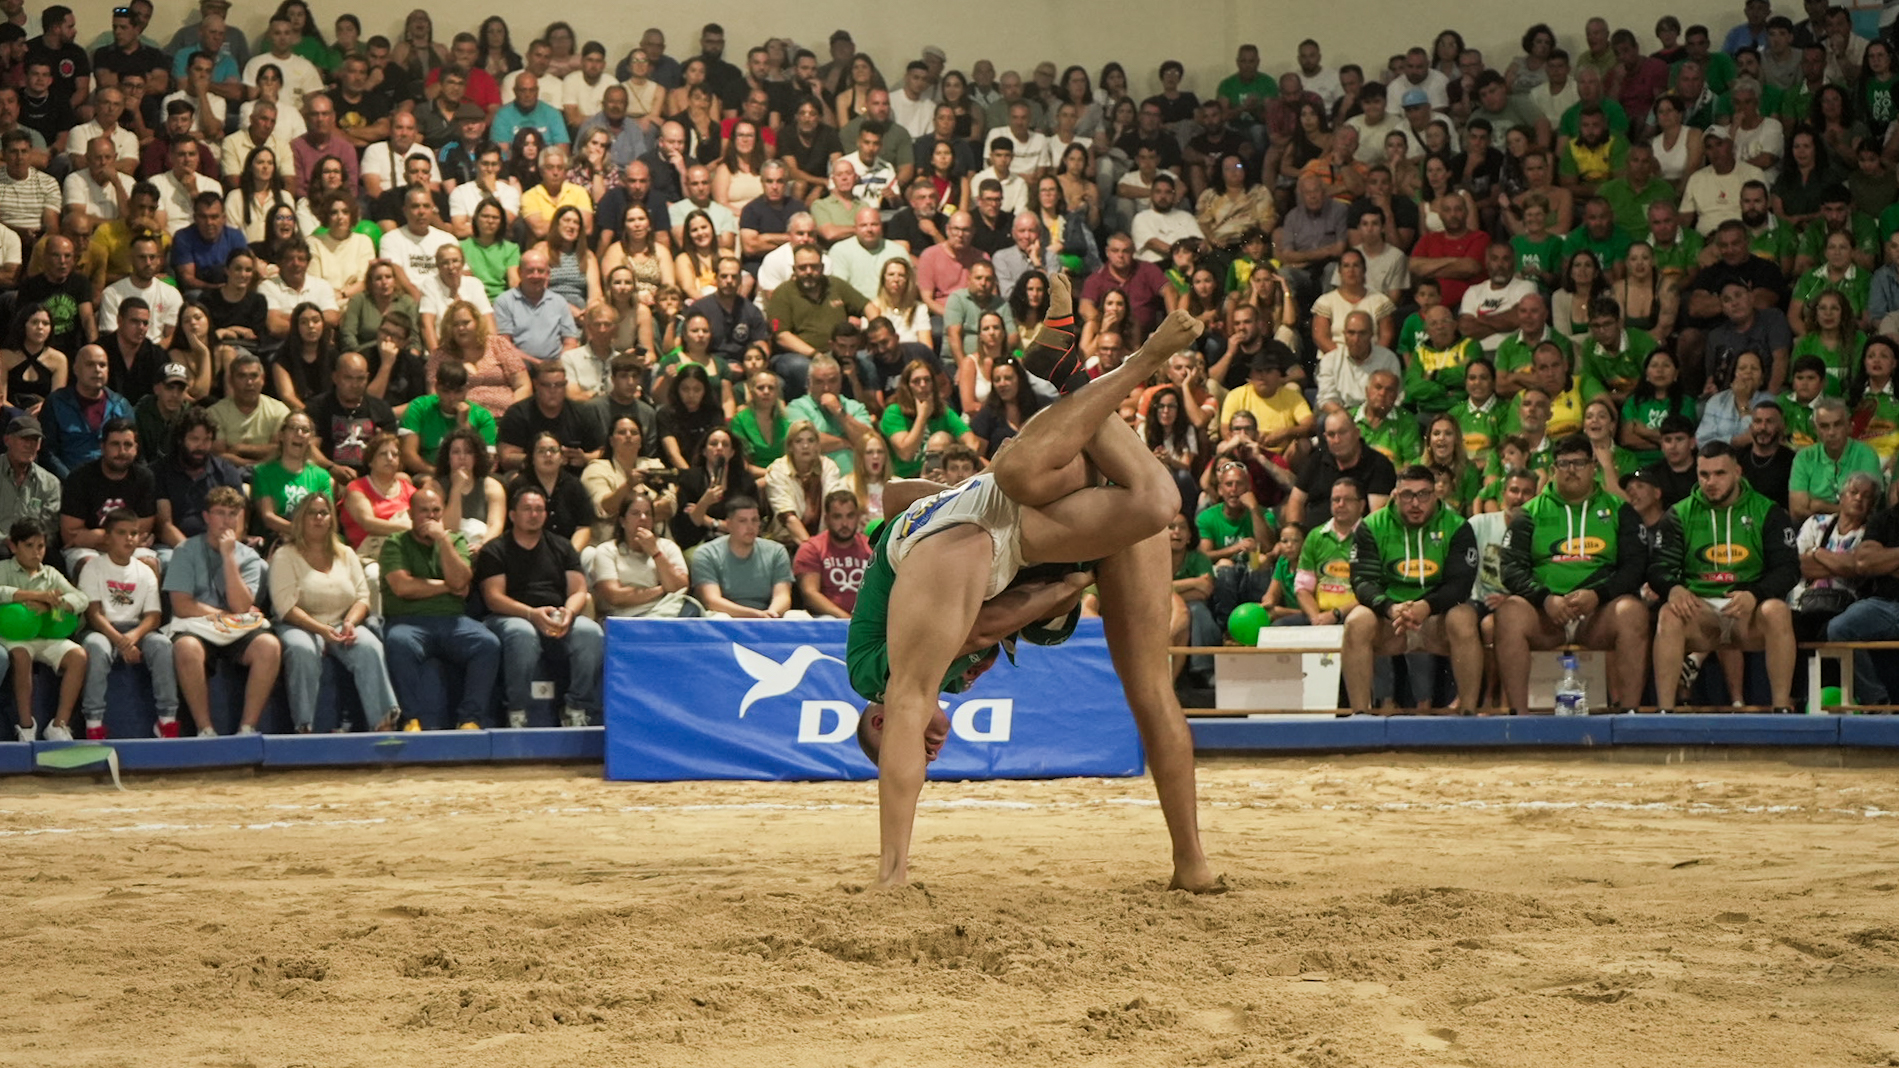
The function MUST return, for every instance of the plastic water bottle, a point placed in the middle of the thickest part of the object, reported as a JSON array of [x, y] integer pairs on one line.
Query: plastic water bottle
[[1572, 698]]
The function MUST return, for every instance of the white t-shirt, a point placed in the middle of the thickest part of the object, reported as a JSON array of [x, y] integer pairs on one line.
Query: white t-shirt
[[468, 196], [576, 93], [1334, 306], [1325, 83], [1388, 271], [166, 302], [98, 200], [917, 116], [279, 297], [1716, 198], [1169, 227], [290, 126], [301, 78], [723, 221], [1488, 528], [553, 90], [124, 141], [124, 594], [175, 200], [217, 104], [436, 299], [415, 254], [1031, 153], [1482, 299], [1371, 137], [633, 569], [10, 251], [379, 160]]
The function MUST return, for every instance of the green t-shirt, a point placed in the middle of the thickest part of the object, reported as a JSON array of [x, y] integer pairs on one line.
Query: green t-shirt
[[1411, 334], [1570, 125], [1515, 354], [1775, 242], [1631, 207], [1535, 259], [1483, 428], [1434, 378], [1328, 555], [1820, 476], [758, 451], [1240, 93], [490, 263], [270, 482], [1193, 564], [1681, 258], [1647, 410], [1841, 364], [423, 417], [1222, 530], [1618, 372], [1856, 286], [1285, 573], [1864, 230], [1799, 420], [895, 422], [1397, 437], [403, 552], [1609, 250], [1888, 221]]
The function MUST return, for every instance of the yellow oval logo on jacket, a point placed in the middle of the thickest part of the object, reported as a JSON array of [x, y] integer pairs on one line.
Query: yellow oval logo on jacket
[[1726, 555], [1417, 569], [1476, 442], [1581, 547], [1339, 569]]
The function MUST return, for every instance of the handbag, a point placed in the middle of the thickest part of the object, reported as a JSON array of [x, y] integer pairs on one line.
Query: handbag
[[1826, 600]]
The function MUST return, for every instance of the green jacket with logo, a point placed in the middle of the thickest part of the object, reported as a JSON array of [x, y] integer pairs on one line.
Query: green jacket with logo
[[1747, 546], [1555, 547], [1393, 563]]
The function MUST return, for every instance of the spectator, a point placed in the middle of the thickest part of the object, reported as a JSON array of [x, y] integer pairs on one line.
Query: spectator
[[280, 483], [570, 511], [1453, 257], [189, 471], [1344, 456], [965, 308], [321, 599], [1344, 372], [1828, 562], [26, 579], [30, 199], [797, 483], [347, 416], [246, 420], [1821, 470], [805, 314], [859, 263], [914, 414], [550, 411], [945, 267], [840, 420], [123, 619], [830, 566], [212, 584], [1313, 234], [426, 579], [742, 575], [1322, 584], [718, 474], [1140, 282], [113, 481], [29, 491], [74, 436], [201, 249], [294, 287], [537, 320], [66, 294], [736, 322], [375, 505], [535, 590], [1279, 409], [641, 575]]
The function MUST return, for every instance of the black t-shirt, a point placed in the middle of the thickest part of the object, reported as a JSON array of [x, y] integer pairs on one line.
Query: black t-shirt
[[690, 428], [1676, 485], [186, 491], [407, 381], [141, 378], [992, 427], [50, 116], [906, 227], [1179, 109], [140, 61], [343, 432], [1373, 473], [1404, 212], [1755, 273], [765, 217], [573, 425], [1770, 476], [370, 110], [607, 411], [569, 505], [88, 494], [1163, 143], [251, 310], [69, 63], [991, 239], [693, 483], [537, 577], [814, 158], [1488, 175], [62, 301]]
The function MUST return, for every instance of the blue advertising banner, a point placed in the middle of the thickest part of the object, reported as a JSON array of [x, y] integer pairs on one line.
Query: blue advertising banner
[[751, 699]]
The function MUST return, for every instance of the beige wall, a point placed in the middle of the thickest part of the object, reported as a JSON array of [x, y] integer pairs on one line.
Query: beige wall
[[1202, 34]]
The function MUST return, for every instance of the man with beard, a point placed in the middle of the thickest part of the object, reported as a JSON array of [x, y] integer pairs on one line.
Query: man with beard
[[1769, 237], [1713, 193], [346, 416], [736, 322], [115, 480], [803, 314], [1837, 217], [1594, 156], [1703, 310], [1768, 462], [190, 469], [156, 414], [1599, 236]]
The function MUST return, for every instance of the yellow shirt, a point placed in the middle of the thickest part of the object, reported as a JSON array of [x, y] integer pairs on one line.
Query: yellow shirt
[[1281, 411], [538, 202]]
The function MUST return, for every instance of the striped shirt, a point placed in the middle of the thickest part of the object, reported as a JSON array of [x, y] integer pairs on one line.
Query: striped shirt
[[23, 202]]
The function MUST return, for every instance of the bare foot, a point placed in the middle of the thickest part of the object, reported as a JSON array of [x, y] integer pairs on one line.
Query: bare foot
[[1176, 332], [1199, 880], [1061, 298]]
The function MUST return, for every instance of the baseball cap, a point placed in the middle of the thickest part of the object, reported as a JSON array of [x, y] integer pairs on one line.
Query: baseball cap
[[25, 425], [1717, 130], [1648, 474], [1416, 97], [841, 35], [175, 372], [933, 52]]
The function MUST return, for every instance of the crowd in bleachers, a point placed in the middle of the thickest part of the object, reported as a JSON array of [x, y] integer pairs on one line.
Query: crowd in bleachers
[[441, 347]]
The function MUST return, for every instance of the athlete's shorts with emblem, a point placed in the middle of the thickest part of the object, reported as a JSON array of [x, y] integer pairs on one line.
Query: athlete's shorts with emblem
[[977, 502]]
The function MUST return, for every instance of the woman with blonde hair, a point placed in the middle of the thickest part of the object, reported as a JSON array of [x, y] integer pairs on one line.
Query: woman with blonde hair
[[633, 330], [796, 484], [573, 273], [899, 301], [870, 470], [320, 596], [761, 425], [497, 372]]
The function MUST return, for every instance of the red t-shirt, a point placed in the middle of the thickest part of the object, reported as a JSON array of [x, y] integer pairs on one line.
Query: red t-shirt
[[1437, 246], [840, 568]]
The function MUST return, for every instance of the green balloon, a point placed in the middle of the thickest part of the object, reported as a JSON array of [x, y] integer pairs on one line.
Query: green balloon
[[1246, 622], [59, 623], [1830, 697], [18, 623]]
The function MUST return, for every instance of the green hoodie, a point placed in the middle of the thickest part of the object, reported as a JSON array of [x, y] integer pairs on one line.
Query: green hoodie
[[1555, 547], [1747, 546], [1393, 563]]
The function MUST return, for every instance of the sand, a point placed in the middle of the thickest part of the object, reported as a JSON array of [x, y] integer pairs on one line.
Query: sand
[[1384, 912]]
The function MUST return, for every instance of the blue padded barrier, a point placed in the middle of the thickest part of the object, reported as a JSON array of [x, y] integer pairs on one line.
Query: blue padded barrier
[[1869, 731], [1426, 732], [371, 750], [16, 758], [1725, 729], [1356, 732], [549, 744], [179, 754]]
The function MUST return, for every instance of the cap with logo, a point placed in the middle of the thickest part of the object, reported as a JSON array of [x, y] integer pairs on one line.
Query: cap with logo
[[1717, 130], [175, 372]]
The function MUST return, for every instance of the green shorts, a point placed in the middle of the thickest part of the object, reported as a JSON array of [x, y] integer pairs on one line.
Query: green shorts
[[867, 646]]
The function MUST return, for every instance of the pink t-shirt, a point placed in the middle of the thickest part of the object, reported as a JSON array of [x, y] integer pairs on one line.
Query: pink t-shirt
[[840, 568], [939, 273], [382, 507]]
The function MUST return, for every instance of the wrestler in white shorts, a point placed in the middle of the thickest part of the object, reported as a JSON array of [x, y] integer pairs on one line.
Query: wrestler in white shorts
[[976, 502]]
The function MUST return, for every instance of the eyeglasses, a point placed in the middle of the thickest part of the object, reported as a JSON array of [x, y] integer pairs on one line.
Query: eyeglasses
[[1574, 465], [1416, 496]]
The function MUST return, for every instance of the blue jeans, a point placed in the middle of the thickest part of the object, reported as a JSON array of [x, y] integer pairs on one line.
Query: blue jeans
[[411, 641], [154, 648], [794, 369], [521, 653], [303, 672], [1868, 620]]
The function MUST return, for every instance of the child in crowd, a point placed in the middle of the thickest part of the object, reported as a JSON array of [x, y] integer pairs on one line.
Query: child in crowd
[[1539, 253], [1796, 402], [124, 616], [1279, 601], [1512, 454], [1426, 292], [27, 580]]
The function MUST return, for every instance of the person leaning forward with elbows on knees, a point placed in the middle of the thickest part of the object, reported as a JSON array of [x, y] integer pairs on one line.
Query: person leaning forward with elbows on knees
[[741, 574], [426, 576], [213, 583], [1413, 564], [28, 580], [536, 592], [1723, 562]]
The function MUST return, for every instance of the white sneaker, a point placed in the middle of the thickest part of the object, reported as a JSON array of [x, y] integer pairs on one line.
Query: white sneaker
[[207, 732], [574, 717], [26, 733], [246, 729], [56, 733], [517, 719]]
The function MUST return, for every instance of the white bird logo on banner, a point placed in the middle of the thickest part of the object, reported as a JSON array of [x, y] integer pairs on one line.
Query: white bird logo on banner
[[775, 679]]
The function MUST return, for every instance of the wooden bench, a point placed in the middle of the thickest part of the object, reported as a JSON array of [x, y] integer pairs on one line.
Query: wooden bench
[[1820, 652]]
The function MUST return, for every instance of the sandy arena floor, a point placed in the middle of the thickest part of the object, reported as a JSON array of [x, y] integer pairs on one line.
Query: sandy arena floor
[[1384, 913]]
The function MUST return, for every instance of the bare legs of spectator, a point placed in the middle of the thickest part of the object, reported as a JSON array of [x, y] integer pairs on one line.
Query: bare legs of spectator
[[1769, 630], [1453, 634], [1620, 628], [263, 654]]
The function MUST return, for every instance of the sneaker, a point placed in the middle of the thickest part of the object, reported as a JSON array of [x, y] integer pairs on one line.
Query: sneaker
[[26, 733], [517, 719], [574, 717], [244, 729], [470, 725], [412, 725], [207, 732], [1690, 670], [95, 732], [166, 728], [57, 732]]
